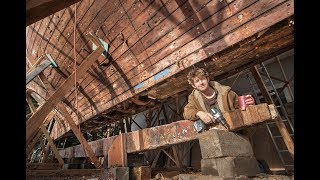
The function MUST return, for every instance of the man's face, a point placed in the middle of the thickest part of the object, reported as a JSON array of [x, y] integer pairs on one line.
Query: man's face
[[200, 83]]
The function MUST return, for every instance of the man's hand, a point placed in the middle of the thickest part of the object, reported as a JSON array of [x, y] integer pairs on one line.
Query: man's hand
[[249, 100], [206, 117]]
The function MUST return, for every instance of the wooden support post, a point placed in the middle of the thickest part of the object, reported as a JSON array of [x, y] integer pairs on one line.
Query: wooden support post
[[117, 154], [38, 117], [282, 128]]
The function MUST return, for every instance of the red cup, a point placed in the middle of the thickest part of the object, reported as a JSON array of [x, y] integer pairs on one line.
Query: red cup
[[242, 102]]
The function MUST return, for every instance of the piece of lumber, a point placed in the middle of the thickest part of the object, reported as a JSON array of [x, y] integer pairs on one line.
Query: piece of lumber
[[117, 154], [254, 114], [170, 134]]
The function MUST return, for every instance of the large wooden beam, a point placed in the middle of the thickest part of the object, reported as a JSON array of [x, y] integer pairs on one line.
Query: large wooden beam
[[39, 9], [37, 118], [170, 134], [138, 141]]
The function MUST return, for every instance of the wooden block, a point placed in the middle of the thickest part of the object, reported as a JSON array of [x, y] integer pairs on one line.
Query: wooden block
[[259, 113], [230, 166], [246, 116], [117, 155], [253, 111], [216, 143], [253, 114], [234, 119], [273, 111]]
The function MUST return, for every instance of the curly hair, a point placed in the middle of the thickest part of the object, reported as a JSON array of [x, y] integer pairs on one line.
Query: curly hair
[[196, 72]]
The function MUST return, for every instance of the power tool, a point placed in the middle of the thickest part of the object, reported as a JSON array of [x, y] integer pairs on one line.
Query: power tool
[[215, 112]]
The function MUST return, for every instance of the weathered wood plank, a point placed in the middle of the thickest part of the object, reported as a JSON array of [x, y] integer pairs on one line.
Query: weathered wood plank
[[34, 29], [72, 124], [182, 84], [254, 114], [52, 145], [247, 30], [170, 134], [130, 74], [117, 154], [181, 41]]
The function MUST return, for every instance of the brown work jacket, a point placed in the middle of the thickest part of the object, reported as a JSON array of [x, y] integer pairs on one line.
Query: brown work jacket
[[227, 100]]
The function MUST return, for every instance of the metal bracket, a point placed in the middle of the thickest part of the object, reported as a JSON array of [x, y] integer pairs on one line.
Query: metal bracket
[[36, 71], [99, 42]]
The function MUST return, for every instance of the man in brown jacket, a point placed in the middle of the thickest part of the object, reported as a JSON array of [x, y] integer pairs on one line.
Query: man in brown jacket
[[206, 94]]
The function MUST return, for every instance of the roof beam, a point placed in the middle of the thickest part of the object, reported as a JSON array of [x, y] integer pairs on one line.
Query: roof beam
[[39, 9]]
